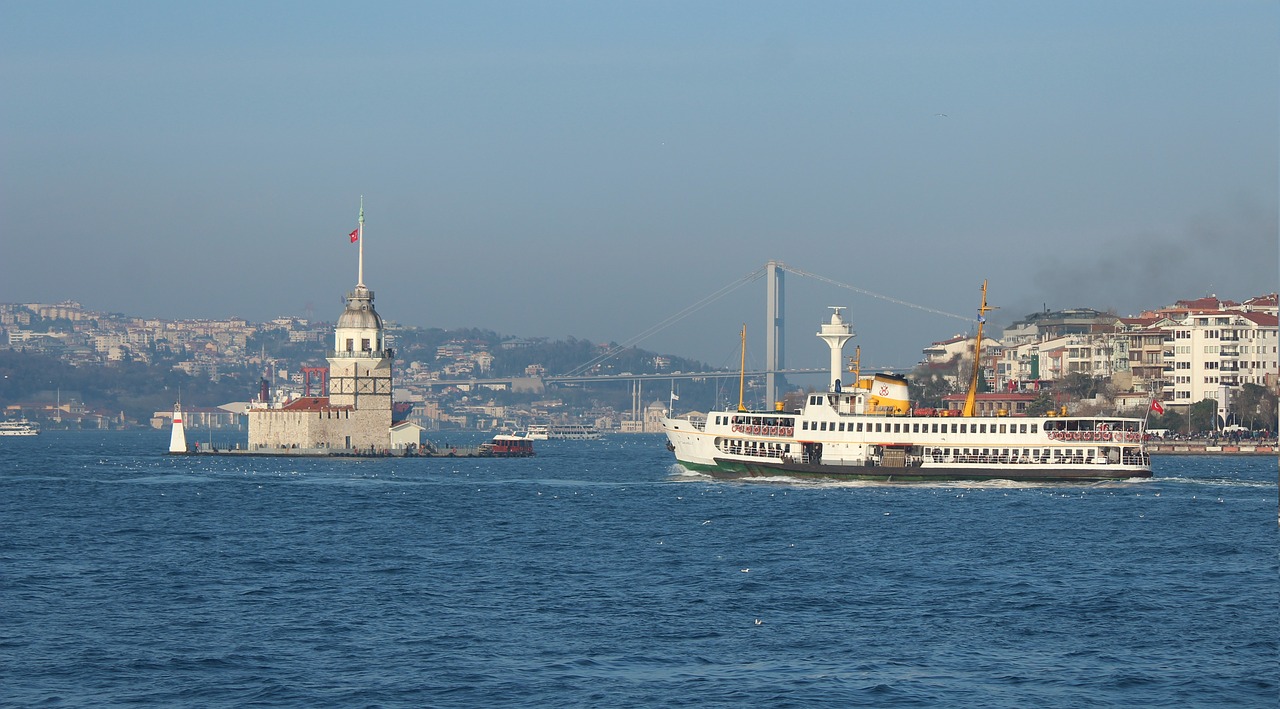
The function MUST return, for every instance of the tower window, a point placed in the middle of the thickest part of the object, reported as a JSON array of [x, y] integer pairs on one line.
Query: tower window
[[351, 344], [364, 344]]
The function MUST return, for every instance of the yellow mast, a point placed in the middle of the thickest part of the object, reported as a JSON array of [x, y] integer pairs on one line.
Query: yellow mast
[[971, 399], [855, 364], [742, 370]]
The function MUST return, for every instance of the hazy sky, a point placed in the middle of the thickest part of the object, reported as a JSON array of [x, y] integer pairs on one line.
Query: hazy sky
[[591, 168]]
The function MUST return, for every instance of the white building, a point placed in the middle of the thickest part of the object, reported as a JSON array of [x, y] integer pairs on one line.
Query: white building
[[1206, 351]]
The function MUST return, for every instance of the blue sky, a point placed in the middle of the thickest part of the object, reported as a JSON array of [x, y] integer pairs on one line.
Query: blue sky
[[588, 169]]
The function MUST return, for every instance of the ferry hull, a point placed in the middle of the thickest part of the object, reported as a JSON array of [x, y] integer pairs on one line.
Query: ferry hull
[[736, 470]]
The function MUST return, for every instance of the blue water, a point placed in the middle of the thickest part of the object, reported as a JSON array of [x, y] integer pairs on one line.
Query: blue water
[[596, 574]]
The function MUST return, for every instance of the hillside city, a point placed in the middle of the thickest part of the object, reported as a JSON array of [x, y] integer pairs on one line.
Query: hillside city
[[1210, 363]]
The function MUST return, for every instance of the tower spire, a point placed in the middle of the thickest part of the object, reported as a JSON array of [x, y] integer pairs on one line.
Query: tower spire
[[360, 228], [835, 334]]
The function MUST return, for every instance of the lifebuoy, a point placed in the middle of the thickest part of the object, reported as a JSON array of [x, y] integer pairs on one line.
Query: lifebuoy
[[1106, 435]]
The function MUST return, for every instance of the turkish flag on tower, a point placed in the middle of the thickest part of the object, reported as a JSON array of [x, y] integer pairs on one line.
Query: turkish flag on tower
[[355, 235], [1156, 407]]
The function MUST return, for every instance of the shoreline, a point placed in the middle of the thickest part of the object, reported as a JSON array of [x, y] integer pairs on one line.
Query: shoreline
[[1193, 448]]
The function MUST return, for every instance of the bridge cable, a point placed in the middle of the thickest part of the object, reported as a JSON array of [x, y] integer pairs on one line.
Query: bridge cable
[[798, 272], [750, 277]]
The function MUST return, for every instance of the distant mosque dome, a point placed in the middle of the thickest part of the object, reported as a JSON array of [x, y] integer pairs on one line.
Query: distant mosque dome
[[360, 314]]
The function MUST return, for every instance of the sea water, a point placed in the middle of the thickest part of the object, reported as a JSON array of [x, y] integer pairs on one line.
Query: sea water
[[600, 574]]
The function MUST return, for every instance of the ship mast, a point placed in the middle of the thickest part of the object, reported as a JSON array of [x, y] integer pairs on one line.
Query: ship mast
[[742, 370], [971, 399]]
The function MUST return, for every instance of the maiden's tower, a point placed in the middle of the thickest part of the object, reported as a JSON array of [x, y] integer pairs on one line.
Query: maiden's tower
[[356, 414]]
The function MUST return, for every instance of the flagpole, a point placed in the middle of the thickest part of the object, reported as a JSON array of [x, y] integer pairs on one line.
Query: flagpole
[[360, 238]]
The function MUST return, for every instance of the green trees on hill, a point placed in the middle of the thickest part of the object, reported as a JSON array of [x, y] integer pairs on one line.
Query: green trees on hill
[[135, 388]]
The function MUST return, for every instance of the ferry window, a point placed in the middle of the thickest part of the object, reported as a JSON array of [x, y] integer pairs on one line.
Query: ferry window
[[1022, 428], [897, 428], [804, 425], [1034, 427], [822, 426], [953, 428], [983, 428], [1002, 426], [859, 428], [879, 428], [964, 428]]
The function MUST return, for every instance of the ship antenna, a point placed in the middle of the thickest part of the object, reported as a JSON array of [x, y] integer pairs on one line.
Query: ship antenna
[[742, 370]]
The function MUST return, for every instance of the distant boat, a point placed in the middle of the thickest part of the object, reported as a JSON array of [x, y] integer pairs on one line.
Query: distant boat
[[506, 446], [572, 432], [20, 427], [537, 432]]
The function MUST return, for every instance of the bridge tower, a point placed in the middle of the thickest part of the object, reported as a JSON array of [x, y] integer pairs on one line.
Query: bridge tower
[[774, 330]]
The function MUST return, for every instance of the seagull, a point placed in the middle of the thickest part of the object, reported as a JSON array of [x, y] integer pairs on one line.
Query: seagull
[[746, 570], [759, 622]]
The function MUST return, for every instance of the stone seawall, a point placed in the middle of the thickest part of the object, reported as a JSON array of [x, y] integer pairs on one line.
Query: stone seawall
[[1191, 448]]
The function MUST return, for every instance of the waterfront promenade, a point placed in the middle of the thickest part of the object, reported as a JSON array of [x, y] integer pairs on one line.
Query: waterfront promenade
[[1212, 447]]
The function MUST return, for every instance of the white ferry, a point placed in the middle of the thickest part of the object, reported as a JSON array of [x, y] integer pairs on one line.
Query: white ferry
[[20, 427], [537, 432], [868, 431], [572, 432]]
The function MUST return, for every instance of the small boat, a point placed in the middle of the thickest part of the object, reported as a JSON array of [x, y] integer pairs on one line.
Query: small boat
[[866, 430], [19, 427], [506, 446]]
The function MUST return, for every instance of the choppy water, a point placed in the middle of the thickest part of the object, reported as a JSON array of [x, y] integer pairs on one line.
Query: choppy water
[[596, 574]]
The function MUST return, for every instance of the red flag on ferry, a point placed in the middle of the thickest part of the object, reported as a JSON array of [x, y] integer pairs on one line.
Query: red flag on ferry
[[1156, 407], [355, 235]]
